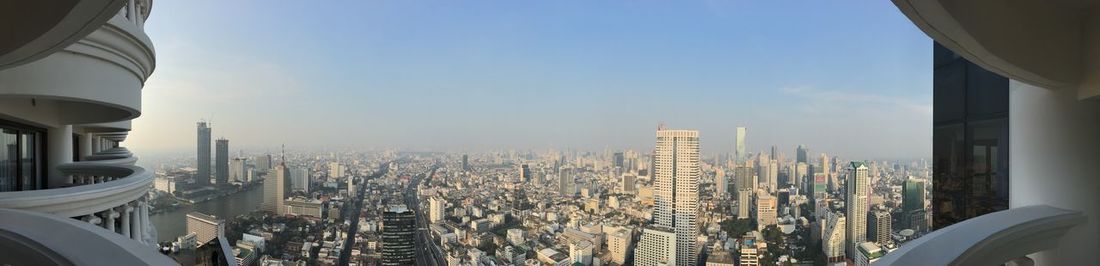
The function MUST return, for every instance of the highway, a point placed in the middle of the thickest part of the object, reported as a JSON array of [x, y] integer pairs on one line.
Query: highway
[[352, 209], [427, 253]]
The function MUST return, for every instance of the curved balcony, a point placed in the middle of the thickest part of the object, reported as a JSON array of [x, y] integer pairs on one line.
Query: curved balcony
[[30, 238], [52, 27], [991, 239], [97, 79]]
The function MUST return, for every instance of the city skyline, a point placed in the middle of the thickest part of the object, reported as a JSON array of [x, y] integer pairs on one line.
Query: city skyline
[[544, 82]]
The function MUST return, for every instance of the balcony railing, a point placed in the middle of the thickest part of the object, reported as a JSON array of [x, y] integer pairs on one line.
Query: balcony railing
[[991, 239], [109, 193], [30, 238]]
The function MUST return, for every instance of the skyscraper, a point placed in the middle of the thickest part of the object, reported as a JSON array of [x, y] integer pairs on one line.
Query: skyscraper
[[275, 190], [826, 166], [676, 189], [913, 212], [720, 182], [466, 162], [740, 152], [524, 173], [801, 154], [879, 227], [773, 175], [436, 209], [565, 182], [262, 162], [221, 162], [237, 170], [746, 187], [833, 237], [202, 176], [858, 185], [299, 179], [398, 239]]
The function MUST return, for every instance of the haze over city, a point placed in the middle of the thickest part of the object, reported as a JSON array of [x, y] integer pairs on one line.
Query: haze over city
[[447, 77]]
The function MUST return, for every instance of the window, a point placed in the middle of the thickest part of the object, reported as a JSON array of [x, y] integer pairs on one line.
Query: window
[[21, 160]]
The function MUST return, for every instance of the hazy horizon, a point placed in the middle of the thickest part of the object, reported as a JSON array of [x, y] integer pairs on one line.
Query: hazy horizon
[[850, 78]]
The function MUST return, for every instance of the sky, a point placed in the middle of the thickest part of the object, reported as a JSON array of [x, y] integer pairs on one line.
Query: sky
[[850, 78]]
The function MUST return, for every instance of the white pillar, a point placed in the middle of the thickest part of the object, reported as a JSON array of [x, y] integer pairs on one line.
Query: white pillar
[[1054, 142], [59, 142], [109, 219], [85, 145], [126, 220], [143, 220]]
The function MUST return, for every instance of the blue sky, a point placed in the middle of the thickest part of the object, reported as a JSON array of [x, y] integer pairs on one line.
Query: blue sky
[[845, 77]]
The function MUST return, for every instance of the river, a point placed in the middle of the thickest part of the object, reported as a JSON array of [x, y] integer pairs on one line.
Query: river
[[172, 224]]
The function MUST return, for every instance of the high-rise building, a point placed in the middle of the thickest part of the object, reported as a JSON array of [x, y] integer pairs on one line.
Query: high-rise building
[[619, 243], [801, 173], [826, 167], [398, 236], [740, 149], [749, 253], [275, 189], [335, 171], [746, 190], [833, 237], [565, 183], [466, 162], [774, 155], [436, 210], [202, 175], [205, 227], [619, 160], [819, 186], [656, 247], [676, 189], [912, 202], [524, 173], [879, 227], [299, 179], [766, 211], [773, 175], [580, 252], [221, 162], [720, 182], [857, 205], [263, 163], [869, 252], [628, 183], [802, 154], [237, 170]]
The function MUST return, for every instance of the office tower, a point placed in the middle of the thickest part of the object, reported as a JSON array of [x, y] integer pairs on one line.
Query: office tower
[[221, 162], [619, 160], [524, 173], [879, 227], [202, 175], [676, 189], [745, 179], [275, 189], [436, 211], [628, 183], [766, 211], [619, 242], [774, 155], [335, 170], [299, 179], [740, 152], [351, 186], [802, 154], [856, 203], [912, 202], [237, 170], [833, 237], [263, 163], [773, 175], [655, 247], [819, 186], [466, 162], [720, 183], [565, 182], [205, 227], [801, 172], [398, 236]]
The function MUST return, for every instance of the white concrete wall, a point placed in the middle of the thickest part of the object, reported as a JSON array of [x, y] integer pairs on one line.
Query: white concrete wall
[[1055, 160]]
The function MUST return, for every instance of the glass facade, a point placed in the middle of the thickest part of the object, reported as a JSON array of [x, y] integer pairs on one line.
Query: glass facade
[[970, 140], [20, 159]]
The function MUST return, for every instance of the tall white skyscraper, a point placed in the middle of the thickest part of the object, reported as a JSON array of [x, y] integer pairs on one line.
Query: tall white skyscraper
[[773, 175], [676, 189], [721, 182], [858, 185], [740, 152]]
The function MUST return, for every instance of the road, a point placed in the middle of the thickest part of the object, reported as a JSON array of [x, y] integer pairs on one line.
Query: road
[[352, 213], [427, 253]]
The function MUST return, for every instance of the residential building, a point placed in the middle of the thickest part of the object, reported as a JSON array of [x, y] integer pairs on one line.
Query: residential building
[[238, 171], [766, 211], [879, 227], [620, 243], [581, 252], [656, 247], [221, 162], [833, 238], [676, 189], [275, 190], [749, 252], [869, 253], [436, 209], [857, 206], [202, 175]]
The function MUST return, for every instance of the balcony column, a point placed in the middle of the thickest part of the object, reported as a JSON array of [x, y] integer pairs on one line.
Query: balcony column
[[91, 218], [109, 217], [86, 145], [126, 210], [59, 142], [142, 220]]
